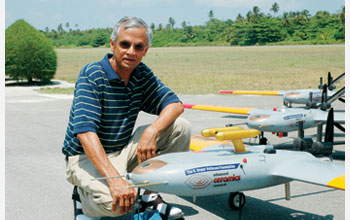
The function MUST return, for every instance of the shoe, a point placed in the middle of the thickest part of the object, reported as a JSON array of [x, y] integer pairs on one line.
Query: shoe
[[155, 202], [78, 211]]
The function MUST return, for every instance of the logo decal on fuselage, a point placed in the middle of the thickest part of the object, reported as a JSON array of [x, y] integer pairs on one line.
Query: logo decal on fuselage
[[227, 179], [223, 180], [289, 117], [211, 168], [198, 181]]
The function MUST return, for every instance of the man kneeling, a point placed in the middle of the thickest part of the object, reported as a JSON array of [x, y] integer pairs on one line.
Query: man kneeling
[[99, 141]]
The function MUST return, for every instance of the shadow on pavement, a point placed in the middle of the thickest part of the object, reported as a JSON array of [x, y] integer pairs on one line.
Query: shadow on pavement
[[255, 209]]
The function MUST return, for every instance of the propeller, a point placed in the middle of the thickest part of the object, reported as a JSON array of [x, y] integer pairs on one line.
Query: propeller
[[318, 147], [331, 82], [324, 104], [329, 136], [321, 83], [325, 148], [311, 103]]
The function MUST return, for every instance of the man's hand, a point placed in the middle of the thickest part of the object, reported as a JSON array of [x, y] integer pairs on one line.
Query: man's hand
[[123, 195], [117, 186], [146, 148]]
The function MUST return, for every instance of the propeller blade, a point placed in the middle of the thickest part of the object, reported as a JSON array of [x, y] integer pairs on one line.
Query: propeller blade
[[310, 97], [337, 95], [330, 79], [332, 82], [339, 78], [324, 93], [321, 83], [329, 135], [310, 104], [339, 126], [324, 105]]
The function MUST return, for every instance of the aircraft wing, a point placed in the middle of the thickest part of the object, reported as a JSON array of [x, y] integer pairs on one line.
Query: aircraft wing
[[199, 142], [324, 173], [226, 109], [253, 92], [321, 116]]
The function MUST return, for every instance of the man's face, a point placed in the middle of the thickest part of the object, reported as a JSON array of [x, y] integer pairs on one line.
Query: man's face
[[130, 48]]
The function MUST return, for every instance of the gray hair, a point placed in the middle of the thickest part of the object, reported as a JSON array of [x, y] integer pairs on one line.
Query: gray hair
[[131, 22]]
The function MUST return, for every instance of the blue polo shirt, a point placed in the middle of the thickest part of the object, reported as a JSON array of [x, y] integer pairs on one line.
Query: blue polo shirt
[[103, 104]]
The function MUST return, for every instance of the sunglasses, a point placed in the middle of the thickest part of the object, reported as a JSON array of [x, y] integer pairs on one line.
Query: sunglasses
[[126, 45]]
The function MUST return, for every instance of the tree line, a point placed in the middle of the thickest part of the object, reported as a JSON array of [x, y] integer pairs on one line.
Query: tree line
[[254, 28]]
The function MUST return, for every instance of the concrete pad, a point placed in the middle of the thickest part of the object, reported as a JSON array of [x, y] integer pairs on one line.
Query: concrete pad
[[35, 168]]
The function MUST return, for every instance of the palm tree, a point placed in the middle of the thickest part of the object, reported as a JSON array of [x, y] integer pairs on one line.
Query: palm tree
[[256, 11], [342, 15], [285, 19], [249, 15], [172, 22], [60, 28], [275, 8], [305, 14], [211, 15], [239, 18]]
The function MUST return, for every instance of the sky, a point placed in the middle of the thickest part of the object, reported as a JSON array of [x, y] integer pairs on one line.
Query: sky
[[87, 14]]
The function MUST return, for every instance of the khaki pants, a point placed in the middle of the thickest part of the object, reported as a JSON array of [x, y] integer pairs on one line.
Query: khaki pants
[[94, 194]]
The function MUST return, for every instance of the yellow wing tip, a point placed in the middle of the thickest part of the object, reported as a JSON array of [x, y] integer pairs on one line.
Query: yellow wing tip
[[338, 182]]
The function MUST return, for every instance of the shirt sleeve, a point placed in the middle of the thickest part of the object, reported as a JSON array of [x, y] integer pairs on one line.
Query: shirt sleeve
[[87, 106], [156, 95]]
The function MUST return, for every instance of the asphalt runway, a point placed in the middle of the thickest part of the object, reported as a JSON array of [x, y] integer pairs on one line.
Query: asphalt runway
[[35, 168]]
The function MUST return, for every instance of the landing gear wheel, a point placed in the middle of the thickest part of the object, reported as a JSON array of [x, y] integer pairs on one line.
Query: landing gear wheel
[[287, 104], [263, 141], [236, 200]]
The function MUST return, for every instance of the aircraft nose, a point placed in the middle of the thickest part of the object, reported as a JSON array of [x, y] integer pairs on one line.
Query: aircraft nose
[[259, 118], [259, 121], [148, 166], [292, 94]]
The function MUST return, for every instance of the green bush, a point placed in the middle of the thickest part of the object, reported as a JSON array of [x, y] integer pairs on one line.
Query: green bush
[[28, 54]]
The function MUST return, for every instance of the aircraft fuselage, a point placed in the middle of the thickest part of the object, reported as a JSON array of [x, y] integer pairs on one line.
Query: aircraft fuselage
[[210, 172], [284, 119]]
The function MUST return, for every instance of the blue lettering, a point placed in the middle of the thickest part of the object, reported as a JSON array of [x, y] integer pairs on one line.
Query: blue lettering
[[211, 168]]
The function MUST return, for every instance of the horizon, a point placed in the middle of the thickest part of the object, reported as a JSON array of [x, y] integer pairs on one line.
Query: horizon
[[51, 14]]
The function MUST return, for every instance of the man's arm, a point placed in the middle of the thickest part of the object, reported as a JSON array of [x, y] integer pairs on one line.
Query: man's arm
[[147, 145], [117, 186]]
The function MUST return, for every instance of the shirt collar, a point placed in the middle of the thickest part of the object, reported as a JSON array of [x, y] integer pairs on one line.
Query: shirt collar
[[111, 74]]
